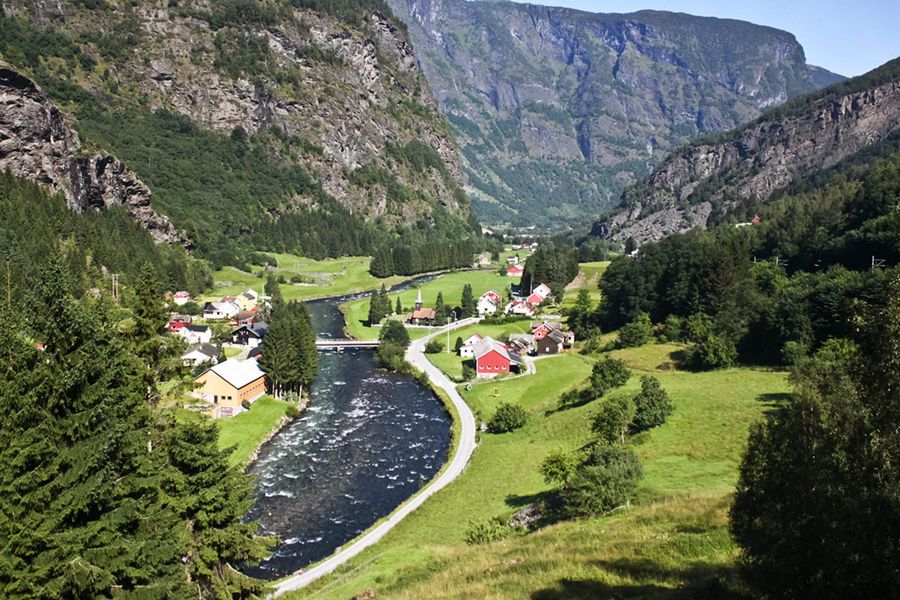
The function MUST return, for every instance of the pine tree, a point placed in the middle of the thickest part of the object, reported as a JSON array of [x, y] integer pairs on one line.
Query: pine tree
[[398, 309], [78, 489], [376, 309], [439, 309], [382, 264], [278, 356], [304, 339], [468, 304]]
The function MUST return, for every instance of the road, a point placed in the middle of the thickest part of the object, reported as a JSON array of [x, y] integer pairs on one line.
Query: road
[[415, 354]]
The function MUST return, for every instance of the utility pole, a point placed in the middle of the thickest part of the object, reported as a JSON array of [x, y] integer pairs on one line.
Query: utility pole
[[448, 334], [877, 263], [115, 287]]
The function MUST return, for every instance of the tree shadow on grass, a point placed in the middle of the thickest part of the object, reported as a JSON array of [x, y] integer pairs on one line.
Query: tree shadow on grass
[[571, 399], [774, 402], [702, 582]]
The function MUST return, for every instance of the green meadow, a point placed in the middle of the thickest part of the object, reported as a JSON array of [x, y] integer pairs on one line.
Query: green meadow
[[672, 542]]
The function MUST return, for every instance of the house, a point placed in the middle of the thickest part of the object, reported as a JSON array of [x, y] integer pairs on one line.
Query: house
[[199, 354], [512, 260], [421, 315], [195, 334], [542, 290], [245, 317], [225, 309], [467, 350], [551, 343], [520, 307], [534, 299], [514, 271], [487, 304], [248, 300], [544, 329], [228, 384], [521, 343], [177, 322], [249, 335], [181, 298], [493, 358], [483, 260]]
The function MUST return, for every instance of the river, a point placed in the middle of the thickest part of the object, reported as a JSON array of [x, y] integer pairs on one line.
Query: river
[[367, 442]]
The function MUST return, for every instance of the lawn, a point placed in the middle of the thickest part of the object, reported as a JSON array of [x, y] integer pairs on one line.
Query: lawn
[[674, 537], [330, 277], [356, 312], [249, 428]]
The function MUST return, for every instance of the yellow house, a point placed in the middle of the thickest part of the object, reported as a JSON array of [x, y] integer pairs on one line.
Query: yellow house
[[248, 300], [230, 383]]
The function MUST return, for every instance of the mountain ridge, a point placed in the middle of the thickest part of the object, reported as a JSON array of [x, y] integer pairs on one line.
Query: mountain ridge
[[557, 110]]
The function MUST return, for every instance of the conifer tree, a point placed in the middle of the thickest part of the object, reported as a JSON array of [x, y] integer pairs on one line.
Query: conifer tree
[[278, 356], [467, 304], [398, 309], [439, 308]]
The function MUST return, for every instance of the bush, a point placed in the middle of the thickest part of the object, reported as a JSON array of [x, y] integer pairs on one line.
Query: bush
[[674, 328], [713, 352], [245, 404], [292, 411], [636, 333], [652, 405], [488, 531], [608, 374], [697, 327], [457, 344], [395, 333], [468, 372], [390, 356], [434, 346], [605, 480], [508, 417], [558, 467], [612, 421]]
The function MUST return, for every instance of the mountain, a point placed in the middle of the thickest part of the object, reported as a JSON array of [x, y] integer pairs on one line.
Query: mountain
[[291, 125], [699, 183], [557, 110]]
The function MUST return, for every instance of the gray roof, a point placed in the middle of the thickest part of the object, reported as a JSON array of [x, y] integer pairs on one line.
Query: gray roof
[[205, 349]]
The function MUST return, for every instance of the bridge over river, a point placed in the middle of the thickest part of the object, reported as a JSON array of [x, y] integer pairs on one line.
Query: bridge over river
[[323, 344]]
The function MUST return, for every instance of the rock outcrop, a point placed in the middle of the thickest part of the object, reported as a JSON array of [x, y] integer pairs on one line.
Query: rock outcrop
[[759, 159], [37, 143], [557, 110]]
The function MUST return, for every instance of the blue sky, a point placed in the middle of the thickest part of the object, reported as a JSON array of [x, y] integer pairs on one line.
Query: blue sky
[[849, 38]]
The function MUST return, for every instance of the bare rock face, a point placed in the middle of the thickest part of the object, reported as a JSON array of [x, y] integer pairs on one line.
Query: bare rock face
[[36, 143], [756, 160]]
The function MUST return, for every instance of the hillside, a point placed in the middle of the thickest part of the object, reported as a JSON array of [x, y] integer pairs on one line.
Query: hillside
[[257, 124], [557, 110], [707, 178]]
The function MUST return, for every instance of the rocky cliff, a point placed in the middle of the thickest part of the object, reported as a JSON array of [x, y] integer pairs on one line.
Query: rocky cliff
[[333, 88], [37, 143], [757, 160], [557, 110]]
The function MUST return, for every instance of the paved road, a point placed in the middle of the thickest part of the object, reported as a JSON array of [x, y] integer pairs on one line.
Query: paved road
[[415, 355]]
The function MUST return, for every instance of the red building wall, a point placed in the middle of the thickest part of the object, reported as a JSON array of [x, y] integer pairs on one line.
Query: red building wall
[[492, 362]]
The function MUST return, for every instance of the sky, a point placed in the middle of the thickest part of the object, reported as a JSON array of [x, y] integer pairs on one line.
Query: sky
[[849, 38]]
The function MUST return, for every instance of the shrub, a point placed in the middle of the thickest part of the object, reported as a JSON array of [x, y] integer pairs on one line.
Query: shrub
[[468, 372], [636, 333], [713, 352], [612, 421], [558, 467], [390, 356], [697, 327], [434, 346], [652, 405], [457, 344], [292, 411], [508, 417], [245, 404], [608, 374], [605, 480], [487, 531], [674, 328]]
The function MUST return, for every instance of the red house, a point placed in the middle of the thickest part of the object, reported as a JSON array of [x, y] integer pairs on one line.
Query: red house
[[493, 358], [514, 271], [540, 330]]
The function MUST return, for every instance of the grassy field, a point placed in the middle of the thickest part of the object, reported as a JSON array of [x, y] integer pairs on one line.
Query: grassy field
[[249, 428], [450, 285], [588, 277], [674, 537], [330, 277]]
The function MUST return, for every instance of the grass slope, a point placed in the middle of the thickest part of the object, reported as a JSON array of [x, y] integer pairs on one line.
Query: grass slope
[[248, 429], [588, 278], [673, 542], [356, 312]]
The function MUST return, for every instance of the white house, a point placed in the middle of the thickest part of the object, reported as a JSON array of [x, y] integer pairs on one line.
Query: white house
[[221, 310], [543, 291], [467, 350], [195, 334], [199, 354], [520, 307], [487, 304], [512, 260], [181, 298]]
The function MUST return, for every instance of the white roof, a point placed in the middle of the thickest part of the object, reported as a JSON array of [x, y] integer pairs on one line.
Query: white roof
[[238, 372], [472, 339]]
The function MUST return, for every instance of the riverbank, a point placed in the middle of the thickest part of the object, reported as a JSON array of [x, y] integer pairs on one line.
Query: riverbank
[[248, 431], [462, 452]]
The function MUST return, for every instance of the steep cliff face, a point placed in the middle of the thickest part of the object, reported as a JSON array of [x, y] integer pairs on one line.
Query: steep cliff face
[[38, 144], [334, 92], [755, 161], [556, 110]]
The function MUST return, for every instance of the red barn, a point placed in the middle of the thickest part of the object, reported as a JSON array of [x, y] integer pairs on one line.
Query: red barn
[[493, 358]]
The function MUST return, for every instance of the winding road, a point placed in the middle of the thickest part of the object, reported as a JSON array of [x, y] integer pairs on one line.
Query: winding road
[[415, 354]]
